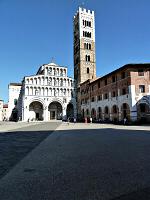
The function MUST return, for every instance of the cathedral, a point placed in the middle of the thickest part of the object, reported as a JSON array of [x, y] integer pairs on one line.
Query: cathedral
[[51, 95], [47, 95]]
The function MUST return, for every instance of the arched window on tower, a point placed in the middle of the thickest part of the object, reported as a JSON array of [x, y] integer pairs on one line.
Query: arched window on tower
[[90, 46], [86, 58], [88, 70], [83, 33]]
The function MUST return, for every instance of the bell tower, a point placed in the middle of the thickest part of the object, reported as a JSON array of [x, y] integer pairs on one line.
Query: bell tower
[[84, 46]]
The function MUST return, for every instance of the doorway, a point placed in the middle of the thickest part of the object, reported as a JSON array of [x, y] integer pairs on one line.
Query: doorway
[[52, 115]]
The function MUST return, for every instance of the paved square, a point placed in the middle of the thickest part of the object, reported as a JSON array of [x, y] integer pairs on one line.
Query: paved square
[[83, 162]]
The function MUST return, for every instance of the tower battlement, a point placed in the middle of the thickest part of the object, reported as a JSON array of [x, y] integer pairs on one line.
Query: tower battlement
[[84, 11]]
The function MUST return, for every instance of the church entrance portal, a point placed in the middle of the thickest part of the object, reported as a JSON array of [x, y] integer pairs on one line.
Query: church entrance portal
[[36, 111], [55, 110]]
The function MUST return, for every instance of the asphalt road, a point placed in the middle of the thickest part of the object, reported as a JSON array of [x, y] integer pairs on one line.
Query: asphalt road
[[90, 164]]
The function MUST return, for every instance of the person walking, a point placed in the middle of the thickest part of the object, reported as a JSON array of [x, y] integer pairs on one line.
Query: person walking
[[74, 120], [91, 120], [125, 121]]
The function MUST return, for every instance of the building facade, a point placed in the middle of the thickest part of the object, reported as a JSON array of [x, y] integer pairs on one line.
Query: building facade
[[5, 113], [123, 93], [1, 110], [14, 92], [48, 95]]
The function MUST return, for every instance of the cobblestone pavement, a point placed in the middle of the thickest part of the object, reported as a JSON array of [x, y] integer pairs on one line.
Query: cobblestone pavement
[[84, 162]]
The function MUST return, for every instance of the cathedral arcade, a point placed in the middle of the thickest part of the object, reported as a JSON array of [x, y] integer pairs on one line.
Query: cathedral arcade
[[48, 95]]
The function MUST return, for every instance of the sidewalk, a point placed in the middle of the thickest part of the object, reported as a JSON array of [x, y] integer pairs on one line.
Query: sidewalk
[[9, 126], [69, 126]]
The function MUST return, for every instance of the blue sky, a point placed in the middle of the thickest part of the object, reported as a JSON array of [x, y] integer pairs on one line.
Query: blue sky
[[34, 31]]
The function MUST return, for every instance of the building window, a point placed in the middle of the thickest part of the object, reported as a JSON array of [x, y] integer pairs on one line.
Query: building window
[[93, 99], [87, 58], [88, 70], [87, 46], [124, 91], [92, 87], [99, 98], [106, 96], [140, 72], [142, 88], [86, 34], [113, 79], [122, 75], [113, 94], [49, 71], [105, 81], [90, 46]]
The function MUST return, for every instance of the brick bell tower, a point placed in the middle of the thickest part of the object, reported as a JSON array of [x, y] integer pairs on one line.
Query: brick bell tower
[[84, 46]]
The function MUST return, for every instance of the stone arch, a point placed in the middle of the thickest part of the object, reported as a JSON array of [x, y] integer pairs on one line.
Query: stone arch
[[125, 111], [39, 80], [31, 80], [55, 110], [36, 110], [70, 110], [106, 113], [31, 90], [82, 113], [61, 72], [46, 79], [99, 113], [50, 91], [27, 90], [35, 81], [27, 81], [115, 113], [57, 92], [64, 82], [93, 113], [49, 70], [54, 71], [57, 71], [57, 81], [64, 72], [46, 91], [68, 82], [42, 91], [87, 113], [39, 90], [143, 110]]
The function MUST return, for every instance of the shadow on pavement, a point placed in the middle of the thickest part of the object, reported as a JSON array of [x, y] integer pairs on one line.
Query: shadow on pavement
[[85, 164]]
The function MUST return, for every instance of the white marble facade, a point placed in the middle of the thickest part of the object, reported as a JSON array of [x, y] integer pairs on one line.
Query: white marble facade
[[48, 95]]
